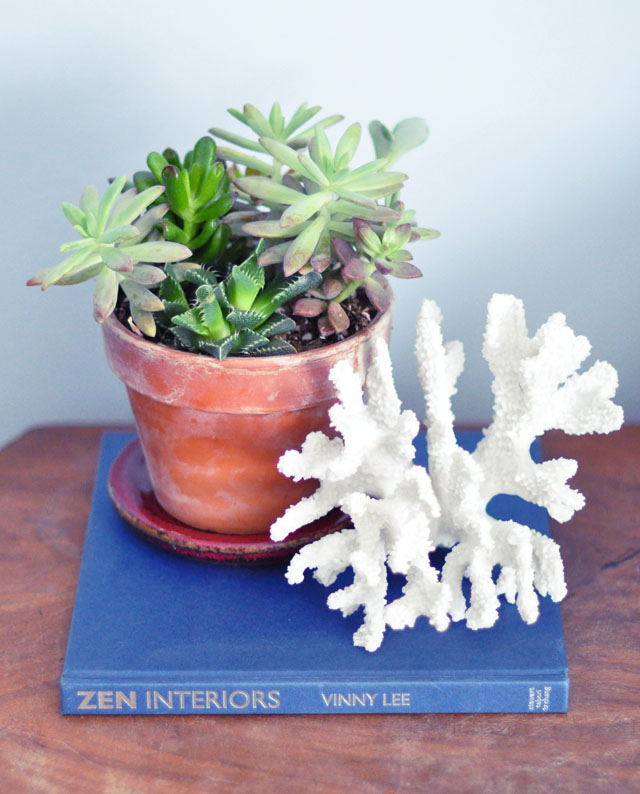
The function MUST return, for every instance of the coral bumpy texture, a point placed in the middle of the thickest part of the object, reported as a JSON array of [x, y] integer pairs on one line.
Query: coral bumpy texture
[[400, 513]]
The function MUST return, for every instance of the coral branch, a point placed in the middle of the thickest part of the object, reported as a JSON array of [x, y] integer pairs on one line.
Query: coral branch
[[400, 513]]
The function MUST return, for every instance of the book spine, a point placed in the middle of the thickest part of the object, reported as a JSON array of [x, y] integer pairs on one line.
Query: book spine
[[437, 697]]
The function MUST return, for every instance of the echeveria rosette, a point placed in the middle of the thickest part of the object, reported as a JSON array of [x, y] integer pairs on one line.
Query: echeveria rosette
[[115, 252]]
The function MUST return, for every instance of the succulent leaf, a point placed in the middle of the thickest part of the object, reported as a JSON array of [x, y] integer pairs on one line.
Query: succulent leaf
[[309, 307], [281, 291], [273, 255], [147, 275], [244, 159], [354, 270], [145, 224], [213, 182], [365, 234], [215, 209], [356, 198], [263, 188], [277, 324], [157, 164], [219, 350], [407, 134], [320, 151], [157, 251], [240, 320], [301, 249], [143, 180], [105, 294], [171, 291], [338, 318], [141, 297], [285, 154], [343, 249], [300, 117], [304, 208], [276, 119], [313, 171], [274, 347], [116, 258], [272, 229], [406, 270], [347, 146], [381, 137], [381, 183], [128, 211], [331, 288], [107, 201], [424, 234], [204, 153], [237, 140], [201, 277], [73, 214], [144, 320], [84, 274], [118, 234], [257, 121], [378, 292]]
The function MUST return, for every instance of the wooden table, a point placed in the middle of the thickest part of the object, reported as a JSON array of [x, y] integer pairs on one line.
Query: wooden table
[[46, 478]]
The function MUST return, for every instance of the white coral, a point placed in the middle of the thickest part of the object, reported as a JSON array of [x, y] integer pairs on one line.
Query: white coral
[[369, 474], [400, 513]]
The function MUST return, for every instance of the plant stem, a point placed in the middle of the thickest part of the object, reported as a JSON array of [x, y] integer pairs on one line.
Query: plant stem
[[352, 286]]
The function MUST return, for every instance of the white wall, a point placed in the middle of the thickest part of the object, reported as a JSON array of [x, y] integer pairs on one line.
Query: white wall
[[532, 171]]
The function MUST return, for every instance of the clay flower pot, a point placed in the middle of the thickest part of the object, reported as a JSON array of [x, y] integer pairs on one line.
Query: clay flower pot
[[212, 431]]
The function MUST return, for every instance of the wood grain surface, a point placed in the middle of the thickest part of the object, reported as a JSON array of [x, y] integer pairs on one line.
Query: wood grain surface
[[46, 479]]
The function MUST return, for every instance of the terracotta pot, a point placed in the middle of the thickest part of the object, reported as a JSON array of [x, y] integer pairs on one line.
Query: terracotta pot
[[212, 431]]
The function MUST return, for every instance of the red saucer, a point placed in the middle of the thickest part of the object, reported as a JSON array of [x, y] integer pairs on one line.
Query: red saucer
[[131, 493]]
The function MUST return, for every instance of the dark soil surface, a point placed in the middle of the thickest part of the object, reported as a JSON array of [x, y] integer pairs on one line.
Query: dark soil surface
[[305, 337]]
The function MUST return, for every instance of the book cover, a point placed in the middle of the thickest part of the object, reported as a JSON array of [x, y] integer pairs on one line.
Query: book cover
[[156, 633]]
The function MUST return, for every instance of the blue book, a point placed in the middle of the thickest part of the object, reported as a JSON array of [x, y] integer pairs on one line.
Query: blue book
[[155, 633]]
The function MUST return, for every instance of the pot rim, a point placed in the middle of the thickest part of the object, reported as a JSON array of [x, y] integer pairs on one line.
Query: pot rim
[[234, 385], [253, 363]]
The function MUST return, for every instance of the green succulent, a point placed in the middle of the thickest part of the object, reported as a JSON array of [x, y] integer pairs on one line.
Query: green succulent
[[406, 135], [323, 215], [114, 250], [236, 316], [325, 227], [320, 199], [275, 128], [198, 194]]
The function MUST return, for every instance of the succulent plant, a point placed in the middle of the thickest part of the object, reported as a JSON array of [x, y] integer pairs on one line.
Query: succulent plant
[[275, 128], [309, 227], [406, 135], [322, 215], [198, 194], [114, 249], [236, 316]]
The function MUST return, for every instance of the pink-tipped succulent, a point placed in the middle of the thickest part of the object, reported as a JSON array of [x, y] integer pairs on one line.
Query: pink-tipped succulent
[[114, 249], [321, 214]]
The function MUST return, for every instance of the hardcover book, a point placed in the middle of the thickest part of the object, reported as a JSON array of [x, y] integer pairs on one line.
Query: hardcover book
[[156, 633]]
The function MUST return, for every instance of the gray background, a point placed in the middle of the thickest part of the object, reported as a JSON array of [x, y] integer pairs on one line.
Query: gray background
[[531, 172]]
